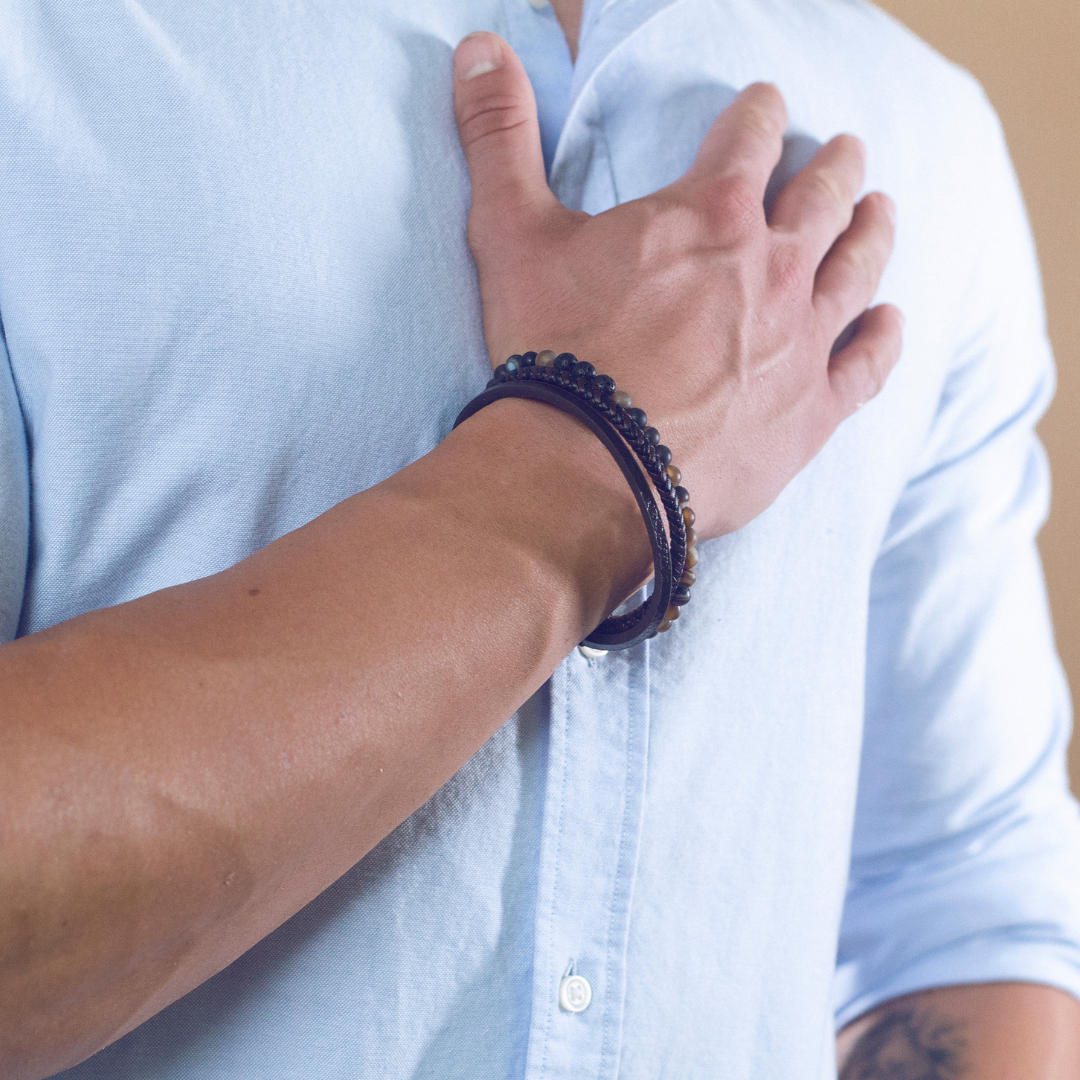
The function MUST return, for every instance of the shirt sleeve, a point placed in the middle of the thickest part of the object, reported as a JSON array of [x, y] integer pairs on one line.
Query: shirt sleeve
[[965, 862], [14, 502]]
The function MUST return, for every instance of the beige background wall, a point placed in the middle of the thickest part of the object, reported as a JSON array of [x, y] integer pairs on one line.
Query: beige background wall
[[1026, 53]]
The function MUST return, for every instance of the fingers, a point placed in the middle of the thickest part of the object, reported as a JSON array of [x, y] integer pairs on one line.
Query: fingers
[[859, 370], [848, 276], [496, 118], [745, 142], [817, 202]]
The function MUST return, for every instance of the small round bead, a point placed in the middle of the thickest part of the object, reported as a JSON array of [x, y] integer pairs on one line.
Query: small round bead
[[545, 358], [691, 536], [583, 370], [691, 558], [663, 455], [688, 515], [639, 417], [664, 627], [652, 436], [622, 399], [513, 363], [564, 361], [681, 595], [603, 385], [676, 476], [672, 613], [688, 577], [500, 373], [528, 359], [682, 496]]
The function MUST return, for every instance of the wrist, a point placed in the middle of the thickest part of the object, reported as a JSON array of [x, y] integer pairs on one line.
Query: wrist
[[537, 491]]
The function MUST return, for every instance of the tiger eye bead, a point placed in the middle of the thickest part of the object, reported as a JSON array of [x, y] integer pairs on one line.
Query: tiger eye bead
[[688, 515], [622, 399], [545, 358], [672, 613], [691, 536], [664, 627], [688, 577], [682, 496], [691, 558], [675, 475], [681, 595]]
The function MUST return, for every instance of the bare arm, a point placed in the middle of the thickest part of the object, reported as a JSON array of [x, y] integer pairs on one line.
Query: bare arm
[[996, 1031], [180, 774]]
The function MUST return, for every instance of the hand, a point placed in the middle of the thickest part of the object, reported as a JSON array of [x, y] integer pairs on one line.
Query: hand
[[718, 322]]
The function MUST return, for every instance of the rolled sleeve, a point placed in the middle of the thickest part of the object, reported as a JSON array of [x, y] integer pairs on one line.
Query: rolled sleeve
[[966, 851]]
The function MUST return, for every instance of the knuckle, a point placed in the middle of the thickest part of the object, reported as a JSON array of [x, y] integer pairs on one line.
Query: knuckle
[[859, 263], [732, 209], [787, 269], [825, 186], [491, 116]]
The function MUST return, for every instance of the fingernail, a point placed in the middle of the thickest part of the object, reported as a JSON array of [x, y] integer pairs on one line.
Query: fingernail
[[477, 54]]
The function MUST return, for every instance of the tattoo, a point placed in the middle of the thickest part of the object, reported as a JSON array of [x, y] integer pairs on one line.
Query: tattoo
[[908, 1044]]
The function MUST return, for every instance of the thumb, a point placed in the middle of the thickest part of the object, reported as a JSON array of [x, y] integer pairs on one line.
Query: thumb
[[496, 118]]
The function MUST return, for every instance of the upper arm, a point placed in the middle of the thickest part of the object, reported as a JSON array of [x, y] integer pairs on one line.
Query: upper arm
[[966, 849]]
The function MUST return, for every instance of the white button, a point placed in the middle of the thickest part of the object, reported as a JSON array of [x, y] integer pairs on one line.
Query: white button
[[575, 993], [538, 5], [591, 654]]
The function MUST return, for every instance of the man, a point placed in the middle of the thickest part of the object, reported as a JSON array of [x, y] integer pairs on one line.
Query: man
[[235, 292]]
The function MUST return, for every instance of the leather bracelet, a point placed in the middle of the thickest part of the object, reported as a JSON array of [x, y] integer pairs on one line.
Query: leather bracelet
[[573, 386]]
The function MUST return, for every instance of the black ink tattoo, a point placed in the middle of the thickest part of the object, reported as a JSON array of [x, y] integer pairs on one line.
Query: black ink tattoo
[[908, 1044]]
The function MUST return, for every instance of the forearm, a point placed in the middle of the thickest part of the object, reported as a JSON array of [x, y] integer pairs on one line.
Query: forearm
[[994, 1031], [180, 774]]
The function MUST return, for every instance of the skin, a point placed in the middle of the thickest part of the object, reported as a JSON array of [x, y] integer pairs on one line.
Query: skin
[[180, 774]]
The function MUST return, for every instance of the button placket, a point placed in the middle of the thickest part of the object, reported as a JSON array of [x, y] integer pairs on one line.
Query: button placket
[[592, 824]]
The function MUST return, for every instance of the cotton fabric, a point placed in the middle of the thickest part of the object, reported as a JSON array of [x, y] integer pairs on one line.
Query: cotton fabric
[[235, 289]]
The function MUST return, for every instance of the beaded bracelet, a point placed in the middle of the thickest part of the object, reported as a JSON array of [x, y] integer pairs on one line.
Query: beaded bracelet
[[573, 386]]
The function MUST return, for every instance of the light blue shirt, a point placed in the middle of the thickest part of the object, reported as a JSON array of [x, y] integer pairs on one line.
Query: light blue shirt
[[235, 290]]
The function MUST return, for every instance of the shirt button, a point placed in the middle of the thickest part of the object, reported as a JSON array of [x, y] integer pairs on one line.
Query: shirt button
[[538, 5], [575, 993], [591, 654]]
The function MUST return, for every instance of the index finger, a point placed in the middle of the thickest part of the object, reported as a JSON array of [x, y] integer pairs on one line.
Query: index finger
[[746, 139]]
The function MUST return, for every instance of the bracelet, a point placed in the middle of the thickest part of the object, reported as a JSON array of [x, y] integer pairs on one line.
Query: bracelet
[[573, 386]]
